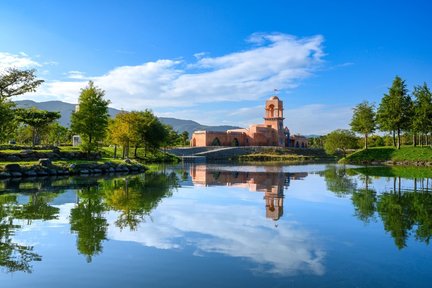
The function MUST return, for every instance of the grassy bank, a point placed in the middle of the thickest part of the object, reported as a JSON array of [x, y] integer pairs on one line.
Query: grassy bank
[[286, 155], [405, 155]]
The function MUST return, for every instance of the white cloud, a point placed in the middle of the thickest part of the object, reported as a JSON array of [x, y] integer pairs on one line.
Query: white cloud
[[274, 60], [76, 75], [20, 60]]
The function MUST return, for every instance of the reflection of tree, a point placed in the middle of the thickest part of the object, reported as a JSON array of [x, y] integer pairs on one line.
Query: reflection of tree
[[402, 211], [397, 215], [38, 208], [13, 257], [88, 222], [338, 181], [364, 201], [135, 197]]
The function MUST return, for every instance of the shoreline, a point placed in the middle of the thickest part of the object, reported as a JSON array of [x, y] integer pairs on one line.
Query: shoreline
[[46, 168]]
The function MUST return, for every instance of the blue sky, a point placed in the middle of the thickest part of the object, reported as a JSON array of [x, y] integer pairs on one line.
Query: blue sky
[[216, 62]]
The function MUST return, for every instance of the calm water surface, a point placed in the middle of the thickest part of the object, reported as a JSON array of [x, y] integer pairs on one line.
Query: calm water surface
[[220, 226]]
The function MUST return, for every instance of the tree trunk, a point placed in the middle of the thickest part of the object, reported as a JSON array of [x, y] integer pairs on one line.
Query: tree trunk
[[414, 139], [89, 145], [115, 151], [398, 136], [135, 152], [123, 154], [366, 141], [427, 139], [394, 138], [33, 137]]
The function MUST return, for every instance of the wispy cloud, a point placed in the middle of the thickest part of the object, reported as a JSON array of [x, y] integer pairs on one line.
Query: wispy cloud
[[272, 60], [20, 60]]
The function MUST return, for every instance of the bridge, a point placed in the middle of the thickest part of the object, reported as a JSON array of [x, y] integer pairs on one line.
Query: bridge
[[218, 153]]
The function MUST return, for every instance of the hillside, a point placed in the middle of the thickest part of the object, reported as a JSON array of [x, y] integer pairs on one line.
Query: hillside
[[406, 155], [66, 109]]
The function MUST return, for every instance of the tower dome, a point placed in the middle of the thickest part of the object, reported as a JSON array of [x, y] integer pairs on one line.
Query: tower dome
[[274, 98]]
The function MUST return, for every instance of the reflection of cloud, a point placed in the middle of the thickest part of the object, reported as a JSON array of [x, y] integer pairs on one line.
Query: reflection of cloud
[[236, 230]]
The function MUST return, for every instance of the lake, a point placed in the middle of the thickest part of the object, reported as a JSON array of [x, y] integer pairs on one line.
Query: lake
[[216, 225]]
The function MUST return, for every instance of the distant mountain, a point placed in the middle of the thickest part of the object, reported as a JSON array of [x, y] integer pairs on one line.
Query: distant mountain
[[66, 109], [191, 126]]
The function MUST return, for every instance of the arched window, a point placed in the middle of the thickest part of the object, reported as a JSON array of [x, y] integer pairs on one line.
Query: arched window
[[271, 111], [216, 142], [235, 142]]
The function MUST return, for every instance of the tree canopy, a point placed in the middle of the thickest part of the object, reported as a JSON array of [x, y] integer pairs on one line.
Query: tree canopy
[[36, 119], [363, 120], [395, 110], [340, 140], [90, 120], [14, 82]]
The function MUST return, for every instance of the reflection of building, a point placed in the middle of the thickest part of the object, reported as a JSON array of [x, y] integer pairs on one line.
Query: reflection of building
[[271, 183], [271, 133]]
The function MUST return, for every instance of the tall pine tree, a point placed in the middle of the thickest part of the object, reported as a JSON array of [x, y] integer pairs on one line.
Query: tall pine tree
[[395, 110]]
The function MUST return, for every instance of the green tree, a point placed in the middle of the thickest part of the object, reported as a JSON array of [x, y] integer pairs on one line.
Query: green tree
[[340, 140], [422, 120], [7, 123], [58, 134], [363, 120], [150, 131], [395, 110], [90, 120], [36, 119], [13, 82]]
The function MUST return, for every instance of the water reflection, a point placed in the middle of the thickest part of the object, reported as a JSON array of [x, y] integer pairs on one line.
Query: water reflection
[[271, 183], [209, 216], [134, 196], [403, 204], [13, 256]]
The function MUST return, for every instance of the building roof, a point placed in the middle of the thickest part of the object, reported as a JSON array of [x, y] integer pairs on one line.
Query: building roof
[[274, 98]]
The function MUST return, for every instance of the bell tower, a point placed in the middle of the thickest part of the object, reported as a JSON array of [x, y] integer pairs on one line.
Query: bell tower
[[274, 118]]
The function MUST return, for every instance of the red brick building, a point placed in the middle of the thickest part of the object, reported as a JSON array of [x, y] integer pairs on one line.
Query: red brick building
[[271, 133]]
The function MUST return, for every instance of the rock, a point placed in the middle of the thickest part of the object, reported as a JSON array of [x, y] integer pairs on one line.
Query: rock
[[97, 171], [41, 173], [27, 151], [72, 166], [84, 171], [56, 150], [30, 173], [16, 174], [128, 161], [45, 162], [4, 175], [52, 172], [13, 158], [13, 168], [111, 170]]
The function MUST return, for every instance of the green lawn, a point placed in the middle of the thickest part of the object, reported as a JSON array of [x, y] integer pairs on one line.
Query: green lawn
[[406, 153]]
